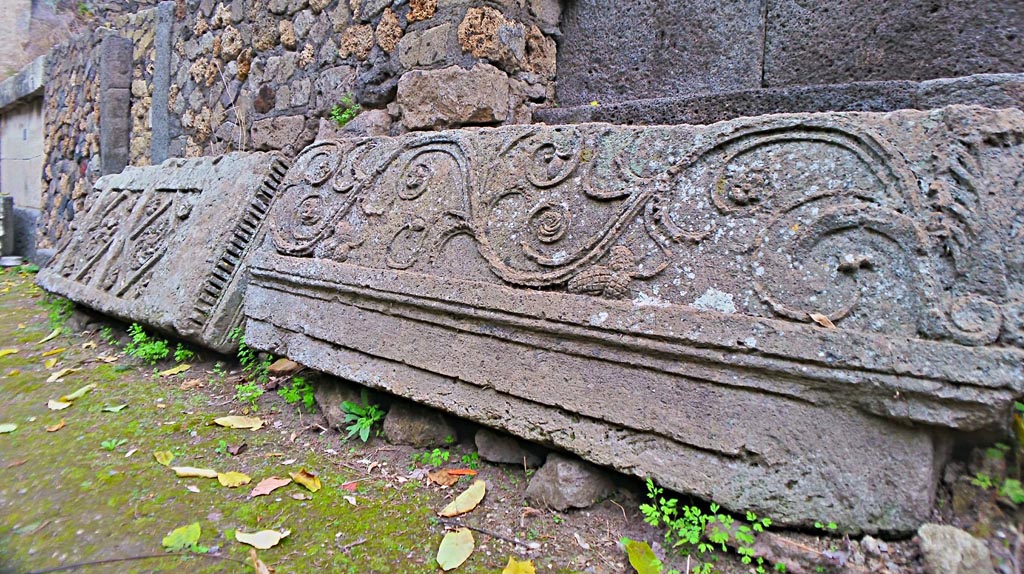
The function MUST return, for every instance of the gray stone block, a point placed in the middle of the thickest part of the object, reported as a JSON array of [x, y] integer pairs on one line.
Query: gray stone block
[[989, 90], [25, 224], [26, 83], [689, 303], [6, 225], [838, 41], [115, 103], [160, 141], [166, 246], [612, 51]]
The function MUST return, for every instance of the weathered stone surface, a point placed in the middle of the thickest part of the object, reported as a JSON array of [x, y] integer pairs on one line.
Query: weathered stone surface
[[115, 103], [416, 426], [389, 31], [649, 297], [949, 550], [838, 41], [329, 393], [453, 96], [486, 33], [166, 246], [612, 51], [425, 48], [6, 225], [989, 90], [504, 449], [564, 483], [282, 132]]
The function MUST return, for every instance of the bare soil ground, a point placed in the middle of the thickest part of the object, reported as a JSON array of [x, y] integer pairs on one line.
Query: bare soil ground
[[81, 484]]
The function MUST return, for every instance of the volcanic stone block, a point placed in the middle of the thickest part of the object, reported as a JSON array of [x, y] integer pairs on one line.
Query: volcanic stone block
[[6, 225], [787, 314], [838, 41], [612, 51], [166, 246], [115, 103]]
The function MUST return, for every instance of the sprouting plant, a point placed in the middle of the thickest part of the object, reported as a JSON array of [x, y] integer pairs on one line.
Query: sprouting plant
[[345, 111], [436, 457], [113, 443], [248, 392], [107, 334], [690, 530], [218, 369], [827, 526], [183, 353], [1012, 489], [222, 447], [471, 460], [363, 417], [142, 346], [252, 366], [58, 309], [299, 390], [983, 481]]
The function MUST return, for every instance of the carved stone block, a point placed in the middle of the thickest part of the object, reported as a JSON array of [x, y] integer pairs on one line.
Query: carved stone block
[[167, 246], [789, 314], [6, 225]]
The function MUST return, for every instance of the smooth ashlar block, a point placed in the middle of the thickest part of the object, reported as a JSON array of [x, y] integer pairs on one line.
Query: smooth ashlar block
[[167, 246], [788, 314]]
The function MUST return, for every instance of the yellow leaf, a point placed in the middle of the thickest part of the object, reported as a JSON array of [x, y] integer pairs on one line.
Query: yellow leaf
[[5, 352], [79, 393], [53, 335], [822, 320], [239, 422], [307, 479], [14, 372], [50, 363], [176, 370], [8, 428], [164, 457], [89, 345], [258, 564], [233, 479], [57, 426], [466, 501], [56, 351], [516, 567], [107, 358], [60, 374], [57, 405], [263, 539], [191, 472], [455, 548], [641, 557]]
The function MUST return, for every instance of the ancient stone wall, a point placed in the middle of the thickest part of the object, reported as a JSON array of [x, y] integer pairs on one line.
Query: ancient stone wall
[[212, 77]]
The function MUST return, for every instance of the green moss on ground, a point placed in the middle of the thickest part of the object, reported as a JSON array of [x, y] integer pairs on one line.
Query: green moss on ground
[[64, 499]]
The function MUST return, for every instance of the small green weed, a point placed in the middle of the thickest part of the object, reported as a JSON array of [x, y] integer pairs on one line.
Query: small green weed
[[28, 268], [826, 526], [113, 443], [107, 334], [58, 309], [222, 447], [436, 457], [142, 346], [218, 370], [471, 460], [300, 390], [249, 392], [362, 416], [252, 366], [183, 353], [693, 531], [983, 481], [345, 111]]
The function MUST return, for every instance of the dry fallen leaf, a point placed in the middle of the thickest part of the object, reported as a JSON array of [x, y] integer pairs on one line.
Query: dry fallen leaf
[[307, 479], [233, 479], [579, 540], [351, 486], [175, 370], [107, 358], [60, 374], [190, 384], [57, 405], [239, 422], [282, 367], [822, 320], [79, 393], [268, 485], [164, 457], [461, 472], [57, 427], [89, 345], [192, 472], [53, 335], [263, 539], [50, 363], [115, 408], [56, 351], [5, 352], [191, 488], [455, 548], [237, 450], [300, 496], [350, 499], [442, 477], [258, 564], [466, 501], [8, 428]]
